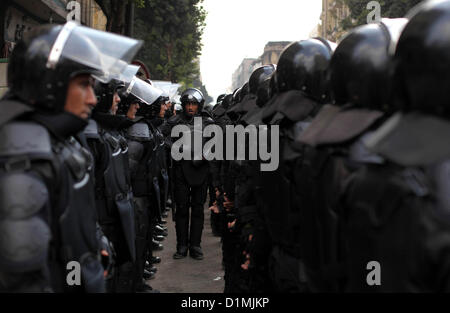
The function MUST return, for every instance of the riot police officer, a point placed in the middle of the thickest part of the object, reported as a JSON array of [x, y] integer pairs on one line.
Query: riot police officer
[[141, 145], [114, 197], [48, 210], [301, 90], [396, 212], [190, 180], [153, 115], [359, 85]]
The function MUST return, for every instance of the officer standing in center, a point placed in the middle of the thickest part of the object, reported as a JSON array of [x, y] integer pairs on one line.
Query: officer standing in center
[[190, 180]]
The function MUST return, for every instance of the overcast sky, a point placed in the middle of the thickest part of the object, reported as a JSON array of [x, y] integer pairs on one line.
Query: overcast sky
[[238, 29]]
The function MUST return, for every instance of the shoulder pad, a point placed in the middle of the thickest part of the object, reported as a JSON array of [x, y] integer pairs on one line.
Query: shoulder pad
[[23, 244], [12, 109], [283, 103], [205, 114], [139, 131], [334, 126], [358, 152], [18, 138], [91, 130], [21, 195], [412, 139], [113, 141], [208, 120], [175, 119]]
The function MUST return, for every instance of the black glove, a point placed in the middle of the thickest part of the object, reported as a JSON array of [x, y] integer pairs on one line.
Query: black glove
[[107, 254]]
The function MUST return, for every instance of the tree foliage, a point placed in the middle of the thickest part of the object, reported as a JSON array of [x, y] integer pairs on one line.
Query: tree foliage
[[115, 12], [389, 8], [172, 31]]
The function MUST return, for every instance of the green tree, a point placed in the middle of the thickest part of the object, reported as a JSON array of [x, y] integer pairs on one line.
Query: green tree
[[172, 31], [116, 13], [389, 8]]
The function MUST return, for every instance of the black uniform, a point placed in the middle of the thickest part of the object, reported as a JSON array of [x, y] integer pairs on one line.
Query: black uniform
[[48, 212], [114, 198], [140, 142], [396, 212], [190, 183], [301, 87], [59, 214], [142, 146]]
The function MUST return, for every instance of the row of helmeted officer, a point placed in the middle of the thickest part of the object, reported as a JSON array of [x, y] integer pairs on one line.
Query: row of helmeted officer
[[360, 201], [83, 190]]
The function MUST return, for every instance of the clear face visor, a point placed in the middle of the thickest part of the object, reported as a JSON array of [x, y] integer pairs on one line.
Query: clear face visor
[[128, 74], [125, 77], [102, 51], [166, 97], [193, 96], [142, 90]]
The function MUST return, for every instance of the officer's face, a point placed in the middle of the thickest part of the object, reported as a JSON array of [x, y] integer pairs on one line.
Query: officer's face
[[80, 98], [115, 103], [131, 114], [191, 108], [163, 109]]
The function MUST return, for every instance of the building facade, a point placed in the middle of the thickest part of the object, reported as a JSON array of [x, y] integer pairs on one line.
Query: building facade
[[243, 72], [333, 13], [271, 54], [19, 16], [272, 51]]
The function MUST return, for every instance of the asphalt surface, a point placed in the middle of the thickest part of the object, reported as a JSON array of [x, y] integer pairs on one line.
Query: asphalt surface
[[188, 275]]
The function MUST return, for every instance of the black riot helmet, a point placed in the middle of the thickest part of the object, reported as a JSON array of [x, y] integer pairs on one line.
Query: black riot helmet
[[105, 94], [273, 84], [105, 91], [263, 94], [422, 60], [220, 98], [258, 76], [303, 65], [155, 107], [359, 68], [138, 91], [227, 101], [245, 90], [192, 95], [237, 95], [48, 56]]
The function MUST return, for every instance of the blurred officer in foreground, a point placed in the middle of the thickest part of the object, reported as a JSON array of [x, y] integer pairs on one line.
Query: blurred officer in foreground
[[359, 85], [301, 91], [48, 214], [397, 211]]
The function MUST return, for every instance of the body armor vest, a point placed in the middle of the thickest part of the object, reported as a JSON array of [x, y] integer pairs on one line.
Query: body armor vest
[[114, 196], [141, 144]]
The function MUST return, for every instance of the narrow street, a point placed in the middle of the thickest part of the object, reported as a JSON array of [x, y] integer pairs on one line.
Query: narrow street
[[188, 275]]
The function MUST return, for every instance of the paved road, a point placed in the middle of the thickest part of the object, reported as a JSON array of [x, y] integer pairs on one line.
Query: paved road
[[188, 275]]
